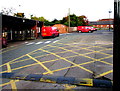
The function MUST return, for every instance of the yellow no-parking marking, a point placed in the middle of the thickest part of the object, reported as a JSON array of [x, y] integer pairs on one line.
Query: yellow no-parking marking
[[103, 74], [40, 64], [85, 55], [59, 57], [67, 61], [12, 82]]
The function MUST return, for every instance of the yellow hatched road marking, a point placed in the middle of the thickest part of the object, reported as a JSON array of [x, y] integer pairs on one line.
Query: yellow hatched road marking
[[37, 63], [67, 61], [16, 58], [40, 64], [92, 50], [4, 84], [53, 60], [30, 58], [12, 82], [12, 60], [74, 52], [25, 66], [68, 67], [90, 46], [7, 83], [103, 74], [8, 50], [47, 72], [85, 55]]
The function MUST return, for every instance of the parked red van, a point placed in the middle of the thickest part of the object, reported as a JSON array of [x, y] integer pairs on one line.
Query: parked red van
[[84, 29], [49, 32], [92, 28]]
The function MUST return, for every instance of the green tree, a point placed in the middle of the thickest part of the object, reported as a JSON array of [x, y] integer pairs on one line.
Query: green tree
[[42, 19], [55, 21], [34, 18], [74, 20]]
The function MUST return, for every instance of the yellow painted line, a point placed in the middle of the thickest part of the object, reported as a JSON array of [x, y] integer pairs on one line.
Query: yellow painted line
[[105, 62], [41, 56], [58, 59], [58, 70], [96, 52], [48, 72], [20, 61], [24, 66], [9, 49], [69, 86], [83, 44], [4, 84], [3, 71], [3, 64], [102, 53], [1, 85], [90, 46], [12, 82], [67, 61], [68, 67], [40, 64], [74, 52], [73, 44], [29, 58], [87, 48], [9, 68], [35, 53], [106, 49], [16, 58], [85, 55], [37, 64], [103, 74], [36, 50], [106, 57]]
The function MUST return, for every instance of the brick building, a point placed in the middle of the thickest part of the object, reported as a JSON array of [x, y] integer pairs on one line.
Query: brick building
[[62, 28], [103, 23]]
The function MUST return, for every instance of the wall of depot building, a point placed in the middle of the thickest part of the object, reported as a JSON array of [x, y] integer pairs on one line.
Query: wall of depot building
[[62, 28], [16, 28], [65, 29], [104, 26]]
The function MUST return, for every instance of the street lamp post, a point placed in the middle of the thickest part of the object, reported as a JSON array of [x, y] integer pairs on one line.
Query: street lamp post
[[109, 18], [69, 19]]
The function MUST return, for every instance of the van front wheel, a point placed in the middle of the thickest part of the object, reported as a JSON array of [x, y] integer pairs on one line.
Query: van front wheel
[[90, 31], [80, 31]]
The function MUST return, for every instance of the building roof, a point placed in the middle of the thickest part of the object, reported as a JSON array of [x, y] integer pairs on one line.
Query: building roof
[[18, 22], [100, 22]]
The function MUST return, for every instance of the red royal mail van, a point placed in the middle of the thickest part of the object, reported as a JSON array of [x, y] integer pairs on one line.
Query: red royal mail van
[[92, 28], [84, 29], [49, 32]]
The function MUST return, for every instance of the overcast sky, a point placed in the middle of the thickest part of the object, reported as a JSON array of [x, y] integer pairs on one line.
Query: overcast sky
[[51, 9]]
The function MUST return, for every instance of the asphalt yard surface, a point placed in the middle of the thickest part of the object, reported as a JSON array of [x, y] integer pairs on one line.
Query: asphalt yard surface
[[79, 55]]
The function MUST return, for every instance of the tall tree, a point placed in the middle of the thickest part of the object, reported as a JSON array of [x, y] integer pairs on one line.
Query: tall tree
[[74, 20]]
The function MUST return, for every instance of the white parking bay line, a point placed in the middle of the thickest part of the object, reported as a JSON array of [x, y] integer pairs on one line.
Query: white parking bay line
[[38, 43], [55, 41], [47, 42], [30, 43], [26, 42]]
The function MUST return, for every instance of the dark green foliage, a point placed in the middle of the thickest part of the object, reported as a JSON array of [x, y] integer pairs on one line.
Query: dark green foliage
[[74, 21]]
